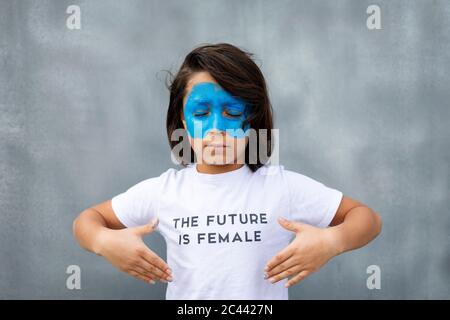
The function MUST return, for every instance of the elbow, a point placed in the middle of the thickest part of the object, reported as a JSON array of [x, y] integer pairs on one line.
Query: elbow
[[378, 223], [75, 225]]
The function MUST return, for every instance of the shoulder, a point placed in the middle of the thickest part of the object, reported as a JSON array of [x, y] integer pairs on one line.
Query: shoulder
[[279, 172], [270, 170], [170, 174], [276, 171], [270, 174], [175, 173]]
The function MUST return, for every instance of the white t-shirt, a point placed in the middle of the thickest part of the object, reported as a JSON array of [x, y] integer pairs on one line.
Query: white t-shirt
[[222, 229]]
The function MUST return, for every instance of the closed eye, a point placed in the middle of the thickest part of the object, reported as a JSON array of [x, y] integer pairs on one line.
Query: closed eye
[[233, 110], [233, 114], [200, 113]]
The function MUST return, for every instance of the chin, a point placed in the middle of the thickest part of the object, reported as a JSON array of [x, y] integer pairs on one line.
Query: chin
[[218, 160]]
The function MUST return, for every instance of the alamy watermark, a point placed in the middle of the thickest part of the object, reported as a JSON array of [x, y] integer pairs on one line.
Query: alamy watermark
[[256, 142], [73, 281], [73, 21], [374, 280], [373, 21]]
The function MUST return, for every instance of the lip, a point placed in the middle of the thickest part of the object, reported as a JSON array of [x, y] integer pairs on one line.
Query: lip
[[217, 145]]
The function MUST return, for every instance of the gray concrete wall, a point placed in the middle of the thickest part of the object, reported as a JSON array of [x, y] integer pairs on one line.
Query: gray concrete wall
[[82, 118]]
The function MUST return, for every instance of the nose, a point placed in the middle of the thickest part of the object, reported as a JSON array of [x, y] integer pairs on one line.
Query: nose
[[215, 134], [216, 121]]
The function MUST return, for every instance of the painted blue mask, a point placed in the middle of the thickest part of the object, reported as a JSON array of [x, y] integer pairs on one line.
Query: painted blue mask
[[210, 107]]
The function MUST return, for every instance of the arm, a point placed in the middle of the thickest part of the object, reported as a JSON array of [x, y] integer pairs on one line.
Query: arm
[[353, 226], [92, 222], [98, 230]]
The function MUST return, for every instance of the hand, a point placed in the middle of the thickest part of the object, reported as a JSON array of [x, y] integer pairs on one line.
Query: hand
[[310, 250], [126, 250]]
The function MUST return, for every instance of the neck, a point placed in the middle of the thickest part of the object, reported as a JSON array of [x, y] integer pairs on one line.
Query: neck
[[215, 169]]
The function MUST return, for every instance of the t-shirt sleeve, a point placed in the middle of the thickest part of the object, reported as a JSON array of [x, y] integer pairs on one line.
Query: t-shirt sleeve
[[138, 205], [311, 201]]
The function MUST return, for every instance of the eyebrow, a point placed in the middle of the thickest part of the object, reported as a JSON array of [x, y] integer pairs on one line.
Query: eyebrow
[[201, 101]]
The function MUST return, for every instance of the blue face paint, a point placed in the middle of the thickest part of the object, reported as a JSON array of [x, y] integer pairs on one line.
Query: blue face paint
[[210, 107]]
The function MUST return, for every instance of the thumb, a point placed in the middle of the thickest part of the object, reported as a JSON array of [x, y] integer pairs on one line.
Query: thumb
[[290, 225], [147, 228]]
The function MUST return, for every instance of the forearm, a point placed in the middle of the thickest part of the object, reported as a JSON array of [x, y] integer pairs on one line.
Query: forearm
[[360, 226], [87, 227]]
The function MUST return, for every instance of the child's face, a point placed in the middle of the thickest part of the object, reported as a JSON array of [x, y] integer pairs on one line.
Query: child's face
[[213, 119]]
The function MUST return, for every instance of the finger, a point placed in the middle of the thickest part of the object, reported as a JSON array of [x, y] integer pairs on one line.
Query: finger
[[145, 273], [153, 270], [289, 225], [286, 273], [156, 261], [147, 228], [280, 257], [142, 277], [296, 279], [287, 264]]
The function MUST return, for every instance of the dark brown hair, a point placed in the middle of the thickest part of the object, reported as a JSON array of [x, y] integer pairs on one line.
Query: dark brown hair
[[236, 72]]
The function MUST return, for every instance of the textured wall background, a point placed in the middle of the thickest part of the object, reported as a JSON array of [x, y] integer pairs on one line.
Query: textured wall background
[[82, 118]]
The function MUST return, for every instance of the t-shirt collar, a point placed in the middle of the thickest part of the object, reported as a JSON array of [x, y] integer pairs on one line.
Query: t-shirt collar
[[220, 177]]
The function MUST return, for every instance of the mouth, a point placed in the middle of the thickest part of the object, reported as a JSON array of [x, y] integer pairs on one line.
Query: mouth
[[217, 145]]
